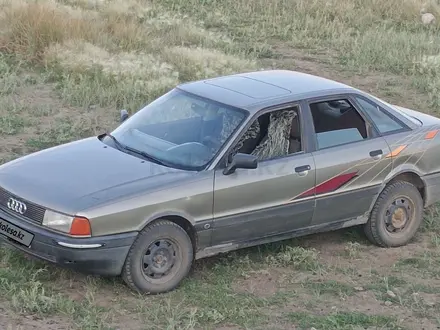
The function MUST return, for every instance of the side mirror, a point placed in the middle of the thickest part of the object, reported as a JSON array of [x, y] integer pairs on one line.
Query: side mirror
[[124, 115], [241, 161]]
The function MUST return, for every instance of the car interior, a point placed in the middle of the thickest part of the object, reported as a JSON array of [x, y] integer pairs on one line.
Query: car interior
[[272, 135], [338, 122], [337, 115], [278, 133], [193, 138]]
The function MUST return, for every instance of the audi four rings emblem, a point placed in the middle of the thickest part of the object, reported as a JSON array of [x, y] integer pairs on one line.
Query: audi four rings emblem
[[16, 206]]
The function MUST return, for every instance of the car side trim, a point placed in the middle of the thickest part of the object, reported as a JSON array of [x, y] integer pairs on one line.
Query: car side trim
[[325, 227]]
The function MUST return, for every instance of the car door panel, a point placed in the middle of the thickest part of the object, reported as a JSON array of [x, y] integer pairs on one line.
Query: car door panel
[[348, 179], [351, 160], [260, 202]]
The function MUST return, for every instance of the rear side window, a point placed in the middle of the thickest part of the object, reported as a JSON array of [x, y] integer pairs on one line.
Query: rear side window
[[337, 122], [384, 122]]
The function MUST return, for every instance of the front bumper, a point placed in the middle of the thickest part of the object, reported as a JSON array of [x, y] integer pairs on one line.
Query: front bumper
[[103, 255]]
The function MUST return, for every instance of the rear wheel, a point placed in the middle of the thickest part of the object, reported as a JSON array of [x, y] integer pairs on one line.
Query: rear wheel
[[396, 215], [160, 258]]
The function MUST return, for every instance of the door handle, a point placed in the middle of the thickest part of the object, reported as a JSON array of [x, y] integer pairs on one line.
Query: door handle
[[376, 154], [302, 170]]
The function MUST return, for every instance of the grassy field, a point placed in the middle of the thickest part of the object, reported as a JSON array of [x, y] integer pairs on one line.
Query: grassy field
[[68, 66]]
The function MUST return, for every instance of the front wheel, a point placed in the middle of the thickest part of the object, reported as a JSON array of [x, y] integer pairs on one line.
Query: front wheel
[[160, 258], [396, 215]]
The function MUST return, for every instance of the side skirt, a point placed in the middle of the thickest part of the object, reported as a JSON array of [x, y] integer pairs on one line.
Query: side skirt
[[320, 228]]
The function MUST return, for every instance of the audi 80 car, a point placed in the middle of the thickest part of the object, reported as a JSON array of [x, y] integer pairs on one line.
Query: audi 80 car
[[220, 164]]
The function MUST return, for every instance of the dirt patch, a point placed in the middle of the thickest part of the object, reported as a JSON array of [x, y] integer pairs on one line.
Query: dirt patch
[[261, 283], [367, 303], [226, 327], [429, 299], [125, 320]]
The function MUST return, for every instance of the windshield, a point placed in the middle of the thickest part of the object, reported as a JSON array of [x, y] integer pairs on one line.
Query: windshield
[[180, 130]]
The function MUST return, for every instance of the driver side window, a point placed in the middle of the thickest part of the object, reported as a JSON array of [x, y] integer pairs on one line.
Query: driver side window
[[272, 135]]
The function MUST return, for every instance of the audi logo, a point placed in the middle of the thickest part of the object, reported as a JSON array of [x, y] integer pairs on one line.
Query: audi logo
[[16, 206]]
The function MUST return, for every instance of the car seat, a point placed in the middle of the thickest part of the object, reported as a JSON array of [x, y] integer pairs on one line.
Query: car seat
[[276, 142]]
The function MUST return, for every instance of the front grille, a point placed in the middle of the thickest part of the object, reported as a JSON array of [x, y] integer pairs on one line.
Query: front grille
[[33, 212]]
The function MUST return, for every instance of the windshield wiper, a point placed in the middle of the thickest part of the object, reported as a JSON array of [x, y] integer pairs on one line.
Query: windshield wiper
[[146, 155], [121, 146], [115, 140]]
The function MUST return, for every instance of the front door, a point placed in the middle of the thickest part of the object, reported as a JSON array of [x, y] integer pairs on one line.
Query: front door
[[351, 161], [255, 203]]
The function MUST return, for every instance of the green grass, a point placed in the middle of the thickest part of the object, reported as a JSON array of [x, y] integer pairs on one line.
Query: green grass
[[26, 284], [9, 76], [62, 131], [94, 88], [330, 287], [298, 257], [387, 283], [207, 299], [14, 117], [424, 288], [342, 321], [431, 223], [11, 124], [427, 261]]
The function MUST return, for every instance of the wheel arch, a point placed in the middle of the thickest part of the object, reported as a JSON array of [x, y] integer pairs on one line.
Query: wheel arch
[[183, 221], [411, 176]]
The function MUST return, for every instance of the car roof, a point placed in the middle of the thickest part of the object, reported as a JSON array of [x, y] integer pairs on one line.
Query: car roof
[[253, 89]]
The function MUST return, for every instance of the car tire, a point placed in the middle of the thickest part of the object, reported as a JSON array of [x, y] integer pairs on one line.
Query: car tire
[[159, 259], [396, 216]]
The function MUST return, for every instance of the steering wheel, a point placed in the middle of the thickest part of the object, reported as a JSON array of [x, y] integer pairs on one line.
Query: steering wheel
[[191, 152]]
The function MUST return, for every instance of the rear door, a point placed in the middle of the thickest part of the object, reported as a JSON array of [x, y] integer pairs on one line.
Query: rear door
[[351, 160]]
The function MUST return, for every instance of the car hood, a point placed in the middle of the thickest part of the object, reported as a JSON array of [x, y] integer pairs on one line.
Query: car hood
[[81, 174]]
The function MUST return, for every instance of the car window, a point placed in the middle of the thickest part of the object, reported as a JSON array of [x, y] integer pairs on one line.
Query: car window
[[381, 119], [271, 135], [180, 129], [337, 122]]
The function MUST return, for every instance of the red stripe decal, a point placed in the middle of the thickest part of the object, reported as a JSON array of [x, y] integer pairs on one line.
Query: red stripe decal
[[329, 185]]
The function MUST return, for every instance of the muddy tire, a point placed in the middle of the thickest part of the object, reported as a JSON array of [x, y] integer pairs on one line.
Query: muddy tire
[[159, 259], [396, 215]]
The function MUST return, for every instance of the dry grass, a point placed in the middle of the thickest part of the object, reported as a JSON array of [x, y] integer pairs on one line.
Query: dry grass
[[114, 53], [199, 63], [375, 35], [30, 27], [82, 56]]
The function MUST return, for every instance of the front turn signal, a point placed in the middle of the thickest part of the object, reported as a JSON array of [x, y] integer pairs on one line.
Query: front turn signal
[[80, 227]]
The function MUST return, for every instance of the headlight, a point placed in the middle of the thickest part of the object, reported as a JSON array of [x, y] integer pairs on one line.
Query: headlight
[[57, 221], [77, 226]]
